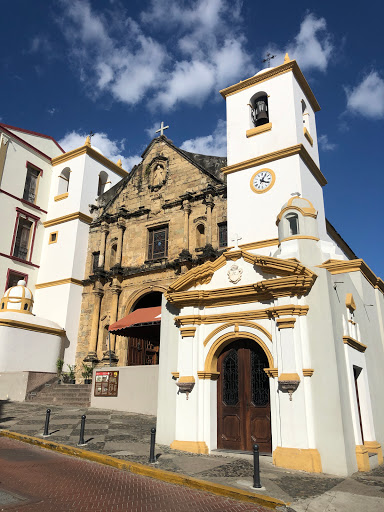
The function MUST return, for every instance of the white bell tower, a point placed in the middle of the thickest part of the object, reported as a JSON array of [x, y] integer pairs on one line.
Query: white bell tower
[[272, 151]]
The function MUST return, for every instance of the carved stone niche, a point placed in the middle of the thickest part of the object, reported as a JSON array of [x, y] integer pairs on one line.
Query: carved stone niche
[[156, 172]]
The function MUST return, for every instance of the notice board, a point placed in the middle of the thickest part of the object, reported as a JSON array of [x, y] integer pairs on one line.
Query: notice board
[[106, 383]]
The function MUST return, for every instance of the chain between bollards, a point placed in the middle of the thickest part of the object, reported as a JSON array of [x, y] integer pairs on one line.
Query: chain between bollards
[[46, 426], [82, 428], [152, 458], [256, 467]]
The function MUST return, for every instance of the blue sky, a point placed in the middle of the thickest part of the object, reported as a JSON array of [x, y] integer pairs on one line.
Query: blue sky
[[120, 67]]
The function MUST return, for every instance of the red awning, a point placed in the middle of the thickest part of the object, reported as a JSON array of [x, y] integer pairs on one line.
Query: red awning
[[145, 316]]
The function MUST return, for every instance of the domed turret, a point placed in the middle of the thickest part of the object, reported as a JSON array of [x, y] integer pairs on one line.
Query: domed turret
[[297, 219], [18, 298]]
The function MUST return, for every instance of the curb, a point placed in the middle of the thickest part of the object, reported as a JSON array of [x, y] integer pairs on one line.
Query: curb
[[158, 474]]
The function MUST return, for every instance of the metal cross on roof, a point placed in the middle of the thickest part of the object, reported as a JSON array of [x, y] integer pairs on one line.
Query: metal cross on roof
[[162, 128], [268, 58]]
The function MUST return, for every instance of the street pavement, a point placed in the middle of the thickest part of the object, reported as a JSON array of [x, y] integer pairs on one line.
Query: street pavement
[[127, 436]]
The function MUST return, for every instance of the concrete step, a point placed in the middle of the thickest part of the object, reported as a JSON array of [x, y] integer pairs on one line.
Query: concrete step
[[62, 394]]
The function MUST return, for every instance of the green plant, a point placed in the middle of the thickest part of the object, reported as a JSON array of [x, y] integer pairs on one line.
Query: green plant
[[71, 371], [59, 366], [87, 371]]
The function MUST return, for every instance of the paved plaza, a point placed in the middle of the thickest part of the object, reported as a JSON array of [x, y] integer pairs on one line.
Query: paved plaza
[[126, 436]]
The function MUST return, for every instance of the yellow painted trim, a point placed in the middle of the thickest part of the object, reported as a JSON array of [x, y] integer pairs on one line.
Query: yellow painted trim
[[259, 129], [298, 149], [349, 301], [285, 323], [219, 345], [190, 446], [187, 378], [306, 212], [273, 73], [308, 460], [375, 447], [31, 327], [258, 245], [50, 241], [269, 186], [208, 375], [187, 332], [308, 372], [10, 301], [300, 237], [176, 375], [271, 372], [362, 458], [357, 345], [95, 155], [66, 218], [346, 266], [308, 136], [70, 280], [60, 197], [156, 473], [236, 325], [239, 317], [289, 376]]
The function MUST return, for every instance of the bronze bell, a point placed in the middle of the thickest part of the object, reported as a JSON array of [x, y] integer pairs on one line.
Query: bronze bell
[[261, 111]]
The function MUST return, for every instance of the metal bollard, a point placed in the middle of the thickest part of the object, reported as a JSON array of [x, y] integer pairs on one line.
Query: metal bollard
[[256, 467], [152, 458], [82, 428], [46, 426]]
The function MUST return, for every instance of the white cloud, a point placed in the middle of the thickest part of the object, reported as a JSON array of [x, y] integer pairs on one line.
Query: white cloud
[[324, 143], [312, 47], [214, 144], [367, 98], [52, 111], [112, 149]]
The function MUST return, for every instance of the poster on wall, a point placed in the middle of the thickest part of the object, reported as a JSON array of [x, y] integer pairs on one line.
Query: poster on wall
[[106, 383]]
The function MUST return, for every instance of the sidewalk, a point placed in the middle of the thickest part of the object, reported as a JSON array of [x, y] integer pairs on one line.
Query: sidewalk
[[127, 436]]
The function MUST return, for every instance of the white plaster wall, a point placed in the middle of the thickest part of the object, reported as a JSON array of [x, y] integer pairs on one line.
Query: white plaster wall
[[45, 145], [137, 390], [13, 386]]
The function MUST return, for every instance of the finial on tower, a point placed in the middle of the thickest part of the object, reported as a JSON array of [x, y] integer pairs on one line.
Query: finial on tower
[[286, 58], [88, 141], [120, 163]]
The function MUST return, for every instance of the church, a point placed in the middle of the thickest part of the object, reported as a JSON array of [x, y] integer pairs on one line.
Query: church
[[259, 336]]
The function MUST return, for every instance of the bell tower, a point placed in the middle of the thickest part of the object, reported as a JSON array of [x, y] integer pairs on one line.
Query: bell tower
[[272, 150]]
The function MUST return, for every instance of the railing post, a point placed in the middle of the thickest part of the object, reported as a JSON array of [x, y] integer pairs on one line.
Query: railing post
[[46, 426], [256, 467], [82, 428], [152, 458]]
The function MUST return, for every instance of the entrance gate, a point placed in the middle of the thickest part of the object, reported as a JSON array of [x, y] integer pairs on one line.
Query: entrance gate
[[243, 409]]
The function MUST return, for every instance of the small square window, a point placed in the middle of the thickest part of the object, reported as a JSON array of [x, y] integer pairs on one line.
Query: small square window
[[14, 277], [53, 237], [158, 243], [223, 237]]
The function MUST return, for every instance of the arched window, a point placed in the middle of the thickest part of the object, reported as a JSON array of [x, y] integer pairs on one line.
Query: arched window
[[64, 181], [305, 115], [113, 257], [200, 235], [293, 223], [259, 108], [103, 179]]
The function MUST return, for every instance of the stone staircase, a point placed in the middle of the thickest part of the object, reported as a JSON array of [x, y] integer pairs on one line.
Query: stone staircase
[[62, 394]]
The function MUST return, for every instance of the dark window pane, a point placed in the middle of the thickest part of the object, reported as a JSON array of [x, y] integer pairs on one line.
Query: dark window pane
[[260, 380], [158, 243], [231, 378], [223, 240], [95, 260], [20, 249], [30, 185]]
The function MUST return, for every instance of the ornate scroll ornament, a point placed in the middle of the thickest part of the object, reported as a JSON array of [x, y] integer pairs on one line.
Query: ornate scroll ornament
[[234, 273]]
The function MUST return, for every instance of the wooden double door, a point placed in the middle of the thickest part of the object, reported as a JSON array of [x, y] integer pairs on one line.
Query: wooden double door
[[243, 409]]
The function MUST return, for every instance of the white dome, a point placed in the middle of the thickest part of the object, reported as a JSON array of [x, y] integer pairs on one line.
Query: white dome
[[17, 298], [98, 150], [263, 71]]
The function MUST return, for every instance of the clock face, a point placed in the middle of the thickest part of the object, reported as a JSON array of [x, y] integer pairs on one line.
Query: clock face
[[262, 181]]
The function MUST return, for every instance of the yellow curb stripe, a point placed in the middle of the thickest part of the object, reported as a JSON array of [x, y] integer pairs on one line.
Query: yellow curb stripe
[[140, 469]]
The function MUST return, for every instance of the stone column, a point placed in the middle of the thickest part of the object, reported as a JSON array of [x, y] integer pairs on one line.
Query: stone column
[[210, 204], [104, 231], [187, 210], [92, 354], [119, 255], [116, 290]]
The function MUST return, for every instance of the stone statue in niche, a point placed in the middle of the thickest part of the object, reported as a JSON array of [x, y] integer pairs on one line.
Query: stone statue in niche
[[158, 175]]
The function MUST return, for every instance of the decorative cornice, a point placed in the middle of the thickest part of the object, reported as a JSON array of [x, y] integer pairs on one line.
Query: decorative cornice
[[354, 344], [258, 245], [259, 129], [289, 377], [66, 218], [69, 280], [272, 73], [285, 323], [61, 196], [298, 149], [307, 212], [346, 266], [208, 375], [349, 301], [175, 375], [271, 372], [308, 136], [300, 237], [308, 372], [241, 316], [95, 155], [236, 325], [31, 327], [269, 265], [187, 332]]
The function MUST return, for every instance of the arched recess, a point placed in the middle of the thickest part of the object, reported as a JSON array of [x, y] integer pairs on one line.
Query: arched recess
[[237, 324], [200, 235], [219, 345], [63, 185], [139, 294], [103, 180]]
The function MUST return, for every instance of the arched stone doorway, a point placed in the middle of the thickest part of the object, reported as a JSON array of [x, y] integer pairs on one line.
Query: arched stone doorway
[[243, 397], [148, 300]]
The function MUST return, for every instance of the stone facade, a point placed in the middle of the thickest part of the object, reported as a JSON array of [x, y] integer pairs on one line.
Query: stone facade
[[172, 189]]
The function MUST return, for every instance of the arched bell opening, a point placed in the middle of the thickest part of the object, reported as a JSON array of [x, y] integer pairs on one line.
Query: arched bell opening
[[259, 108], [243, 394]]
